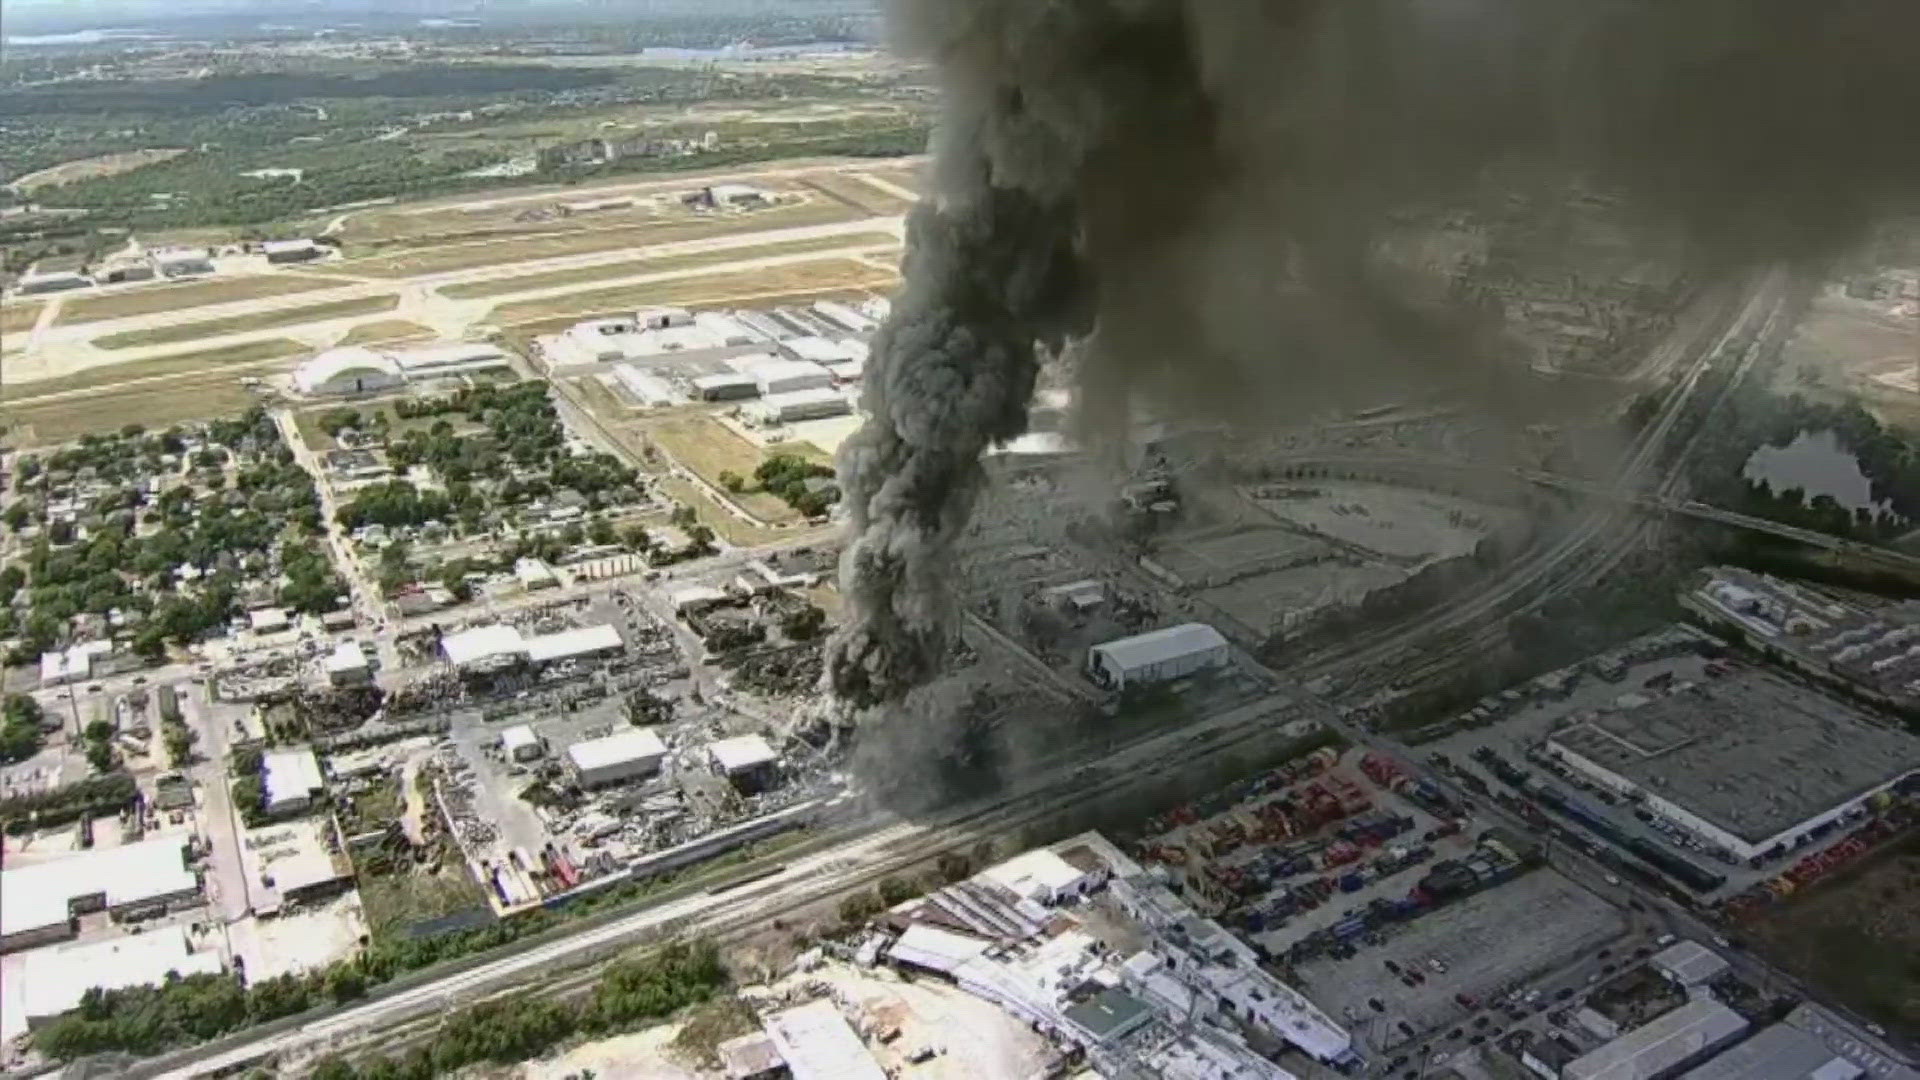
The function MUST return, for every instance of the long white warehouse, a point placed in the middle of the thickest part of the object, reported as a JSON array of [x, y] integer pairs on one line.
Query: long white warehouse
[[615, 758], [1157, 656]]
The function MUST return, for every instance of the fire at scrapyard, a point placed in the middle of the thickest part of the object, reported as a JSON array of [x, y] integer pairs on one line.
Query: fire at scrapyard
[[1191, 194]]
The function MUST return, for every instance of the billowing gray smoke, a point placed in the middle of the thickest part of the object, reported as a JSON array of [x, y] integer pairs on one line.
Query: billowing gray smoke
[[1197, 192]]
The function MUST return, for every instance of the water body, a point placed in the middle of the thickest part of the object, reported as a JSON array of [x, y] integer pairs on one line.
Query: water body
[[1817, 464]]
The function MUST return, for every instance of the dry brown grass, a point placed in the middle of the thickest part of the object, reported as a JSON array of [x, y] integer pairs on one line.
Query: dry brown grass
[[804, 279], [728, 527], [387, 331], [19, 318], [241, 324], [173, 401], [551, 240], [148, 299], [850, 190], [663, 264], [707, 447], [222, 362], [91, 168]]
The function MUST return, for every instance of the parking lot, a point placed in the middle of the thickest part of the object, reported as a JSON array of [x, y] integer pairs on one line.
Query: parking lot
[[1486, 944]]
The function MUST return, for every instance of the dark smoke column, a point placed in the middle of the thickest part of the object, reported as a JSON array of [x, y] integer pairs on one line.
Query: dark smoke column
[[991, 275]]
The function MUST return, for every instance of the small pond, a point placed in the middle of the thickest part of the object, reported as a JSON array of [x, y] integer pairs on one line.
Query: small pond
[[1817, 464]]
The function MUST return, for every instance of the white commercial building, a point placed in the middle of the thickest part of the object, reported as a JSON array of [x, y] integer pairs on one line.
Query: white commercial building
[[347, 664], [38, 901], [292, 778], [1042, 876], [182, 262], [291, 862], [350, 369], [1781, 1052], [1659, 1048], [534, 574], [291, 251], [479, 646], [450, 358], [521, 744], [73, 664], [616, 758], [37, 282], [1689, 963], [796, 405], [817, 1043], [1157, 656], [824, 351], [741, 754], [598, 640], [52, 981], [777, 376], [268, 620]]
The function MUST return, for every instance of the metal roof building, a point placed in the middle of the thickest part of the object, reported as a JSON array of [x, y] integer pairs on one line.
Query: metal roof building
[[292, 779], [480, 644], [613, 758], [38, 901], [1669, 1042], [1158, 655], [777, 376], [52, 981], [817, 1043], [1689, 963], [581, 641], [742, 754], [1781, 1052], [520, 743]]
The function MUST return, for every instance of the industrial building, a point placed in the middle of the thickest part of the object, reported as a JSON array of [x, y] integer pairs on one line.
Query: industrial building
[[38, 282], [1688, 963], [497, 645], [449, 358], [1075, 597], [1166, 993], [268, 620], [180, 263], [534, 574], [1780, 1052], [1664, 1046], [616, 758], [39, 901], [793, 406], [826, 352], [844, 317], [725, 386], [347, 665], [350, 369], [1748, 761], [73, 664], [817, 1043], [124, 270], [53, 981], [747, 761], [519, 743], [1157, 656], [293, 780], [291, 863], [281, 252], [777, 376]]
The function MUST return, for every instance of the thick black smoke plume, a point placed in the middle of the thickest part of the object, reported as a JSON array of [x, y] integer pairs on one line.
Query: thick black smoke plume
[[1196, 193]]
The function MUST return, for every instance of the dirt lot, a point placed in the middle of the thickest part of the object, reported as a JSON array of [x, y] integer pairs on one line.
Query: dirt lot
[[707, 447], [588, 238], [89, 168], [18, 318], [1855, 935], [174, 297], [240, 324], [793, 279], [386, 331], [586, 275]]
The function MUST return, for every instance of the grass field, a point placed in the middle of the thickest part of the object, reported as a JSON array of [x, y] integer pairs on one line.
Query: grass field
[[707, 447], [793, 279], [387, 331], [585, 239], [240, 324], [395, 901], [1855, 935], [147, 300], [857, 193], [586, 275], [18, 318], [727, 526], [223, 361], [155, 405]]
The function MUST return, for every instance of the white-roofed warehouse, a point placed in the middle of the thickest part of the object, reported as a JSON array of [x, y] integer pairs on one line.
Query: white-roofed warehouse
[[38, 901], [350, 369], [615, 758], [1157, 656], [1670, 1041]]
